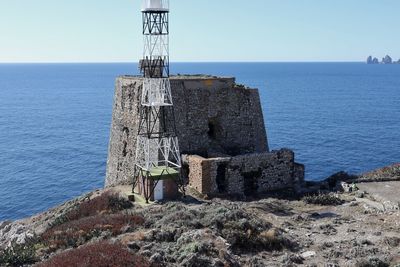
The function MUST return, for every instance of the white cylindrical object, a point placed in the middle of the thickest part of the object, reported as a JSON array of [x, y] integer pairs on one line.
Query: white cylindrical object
[[155, 5]]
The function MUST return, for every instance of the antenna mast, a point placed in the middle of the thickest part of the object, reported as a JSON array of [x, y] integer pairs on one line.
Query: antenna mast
[[158, 159]]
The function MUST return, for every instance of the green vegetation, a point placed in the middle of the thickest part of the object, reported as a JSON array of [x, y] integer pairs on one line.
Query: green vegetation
[[239, 85], [19, 254]]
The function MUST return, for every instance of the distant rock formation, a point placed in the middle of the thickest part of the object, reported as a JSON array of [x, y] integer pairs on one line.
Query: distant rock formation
[[371, 60], [386, 60]]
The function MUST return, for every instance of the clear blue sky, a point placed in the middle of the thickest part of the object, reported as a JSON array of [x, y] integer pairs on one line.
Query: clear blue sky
[[207, 30]]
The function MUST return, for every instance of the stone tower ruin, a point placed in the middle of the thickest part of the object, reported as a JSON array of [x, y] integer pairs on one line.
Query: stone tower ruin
[[222, 137]]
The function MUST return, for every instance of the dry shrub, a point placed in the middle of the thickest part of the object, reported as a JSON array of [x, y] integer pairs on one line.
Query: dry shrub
[[269, 240], [392, 241], [136, 236], [246, 232], [323, 200], [106, 203], [19, 254], [273, 240], [372, 262], [75, 233], [102, 254]]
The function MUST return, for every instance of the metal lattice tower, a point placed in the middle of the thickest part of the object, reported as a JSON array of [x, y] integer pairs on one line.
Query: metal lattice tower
[[157, 150]]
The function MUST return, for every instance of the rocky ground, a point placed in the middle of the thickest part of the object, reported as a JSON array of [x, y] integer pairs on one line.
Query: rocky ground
[[318, 229]]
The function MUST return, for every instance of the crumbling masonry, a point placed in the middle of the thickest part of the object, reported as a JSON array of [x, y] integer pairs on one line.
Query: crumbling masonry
[[222, 137]]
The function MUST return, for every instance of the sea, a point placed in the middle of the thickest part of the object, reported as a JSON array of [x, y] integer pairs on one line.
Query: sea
[[55, 122]]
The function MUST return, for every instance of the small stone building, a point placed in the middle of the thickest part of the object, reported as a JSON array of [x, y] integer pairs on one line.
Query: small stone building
[[244, 175], [221, 131]]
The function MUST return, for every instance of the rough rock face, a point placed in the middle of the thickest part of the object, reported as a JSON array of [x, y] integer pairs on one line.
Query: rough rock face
[[213, 116], [121, 151], [13, 232]]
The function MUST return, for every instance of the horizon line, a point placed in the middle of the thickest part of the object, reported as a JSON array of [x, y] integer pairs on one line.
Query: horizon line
[[172, 62]]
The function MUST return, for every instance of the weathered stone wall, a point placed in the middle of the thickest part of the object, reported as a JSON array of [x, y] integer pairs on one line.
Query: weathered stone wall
[[246, 174], [213, 115], [124, 128], [195, 171]]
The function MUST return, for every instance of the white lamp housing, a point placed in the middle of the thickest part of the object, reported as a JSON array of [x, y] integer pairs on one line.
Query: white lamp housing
[[155, 5]]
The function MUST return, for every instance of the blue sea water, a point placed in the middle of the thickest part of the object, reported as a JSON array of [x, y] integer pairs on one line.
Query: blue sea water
[[55, 120]]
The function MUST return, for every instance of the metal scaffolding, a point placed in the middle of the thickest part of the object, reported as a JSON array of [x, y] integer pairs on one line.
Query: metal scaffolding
[[157, 150]]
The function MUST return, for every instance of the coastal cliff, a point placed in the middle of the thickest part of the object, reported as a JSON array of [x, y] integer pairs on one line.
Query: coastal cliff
[[103, 228]]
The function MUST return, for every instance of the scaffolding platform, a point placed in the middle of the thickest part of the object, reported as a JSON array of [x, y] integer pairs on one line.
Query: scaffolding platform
[[161, 173]]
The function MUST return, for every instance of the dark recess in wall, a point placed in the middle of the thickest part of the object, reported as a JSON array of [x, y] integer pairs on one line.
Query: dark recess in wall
[[212, 129], [221, 178], [251, 183]]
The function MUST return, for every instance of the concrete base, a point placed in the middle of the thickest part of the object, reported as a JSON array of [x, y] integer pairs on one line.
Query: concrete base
[[126, 192]]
